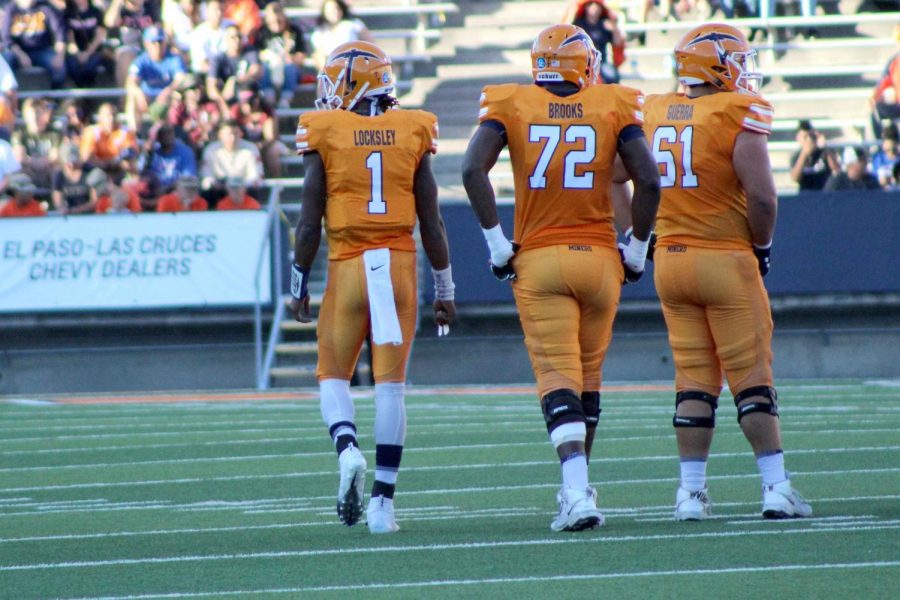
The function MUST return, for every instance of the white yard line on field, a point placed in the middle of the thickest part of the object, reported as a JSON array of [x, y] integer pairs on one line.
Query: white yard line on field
[[467, 546], [422, 514]]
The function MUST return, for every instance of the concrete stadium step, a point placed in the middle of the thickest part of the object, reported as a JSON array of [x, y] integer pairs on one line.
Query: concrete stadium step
[[302, 372], [295, 348]]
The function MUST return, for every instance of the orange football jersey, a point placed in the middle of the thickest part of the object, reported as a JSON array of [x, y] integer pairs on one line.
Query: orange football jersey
[[370, 166], [702, 201], [562, 151]]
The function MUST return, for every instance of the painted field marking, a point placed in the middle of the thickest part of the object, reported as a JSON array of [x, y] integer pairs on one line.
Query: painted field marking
[[320, 552], [467, 490], [416, 514], [299, 455]]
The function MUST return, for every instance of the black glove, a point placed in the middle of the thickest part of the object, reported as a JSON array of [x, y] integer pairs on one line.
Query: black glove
[[506, 272], [762, 257], [652, 247]]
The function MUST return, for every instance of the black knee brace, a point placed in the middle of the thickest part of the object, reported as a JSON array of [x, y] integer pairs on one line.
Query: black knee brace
[[705, 422], [769, 408], [590, 402], [561, 407]]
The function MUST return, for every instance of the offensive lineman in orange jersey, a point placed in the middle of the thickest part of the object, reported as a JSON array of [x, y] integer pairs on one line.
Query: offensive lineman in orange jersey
[[564, 134], [368, 173], [715, 225]]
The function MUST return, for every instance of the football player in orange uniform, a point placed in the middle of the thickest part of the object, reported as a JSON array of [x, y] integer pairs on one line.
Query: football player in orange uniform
[[368, 173], [564, 132], [715, 226]]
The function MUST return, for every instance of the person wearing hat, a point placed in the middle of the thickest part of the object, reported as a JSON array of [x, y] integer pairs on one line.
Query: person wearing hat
[[110, 198], [152, 78], [184, 198], [71, 193], [237, 197], [232, 69], [22, 203]]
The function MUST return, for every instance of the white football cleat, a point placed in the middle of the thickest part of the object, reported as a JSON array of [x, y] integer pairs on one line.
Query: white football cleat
[[577, 510], [782, 501], [352, 486], [692, 506], [380, 515]]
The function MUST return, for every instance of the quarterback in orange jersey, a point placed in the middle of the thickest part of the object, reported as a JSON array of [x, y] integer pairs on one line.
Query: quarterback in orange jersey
[[368, 173], [564, 132], [715, 224]]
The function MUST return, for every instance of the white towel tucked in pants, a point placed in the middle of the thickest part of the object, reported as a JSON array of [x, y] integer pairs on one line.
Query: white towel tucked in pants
[[382, 309]]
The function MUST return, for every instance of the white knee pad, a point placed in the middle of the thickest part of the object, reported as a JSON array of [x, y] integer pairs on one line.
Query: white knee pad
[[390, 414], [336, 404]]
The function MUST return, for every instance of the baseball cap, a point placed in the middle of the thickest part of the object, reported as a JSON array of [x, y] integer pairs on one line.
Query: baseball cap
[[20, 182], [154, 34]]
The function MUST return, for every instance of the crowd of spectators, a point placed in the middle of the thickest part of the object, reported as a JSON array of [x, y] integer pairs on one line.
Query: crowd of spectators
[[192, 107]]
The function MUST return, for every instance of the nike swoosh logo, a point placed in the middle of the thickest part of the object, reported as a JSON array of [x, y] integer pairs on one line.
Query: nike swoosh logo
[[375, 268]]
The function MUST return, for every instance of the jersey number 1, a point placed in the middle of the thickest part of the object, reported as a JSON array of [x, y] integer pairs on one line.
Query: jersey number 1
[[377, 205]]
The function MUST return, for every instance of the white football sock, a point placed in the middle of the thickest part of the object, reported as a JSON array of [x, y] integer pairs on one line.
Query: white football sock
[[337, 406], [771, 467], [693, 474], [390, 414]]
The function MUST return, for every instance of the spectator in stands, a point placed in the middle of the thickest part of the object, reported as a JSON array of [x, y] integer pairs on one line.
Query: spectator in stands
[[127, 19], [335, 26], [180, 18], [102, 144], [855, 173], [236, 197], [885, 100], [259, 126], [152, 78], [767, 10], [229, 156], [110, 198], [168, 159], [22, 203], [36, 146], [601, 25], [208, 38], [8, 100], [71, 193], [196, 117], [8, 164], [232, 69], [33, 34], [246, 14], [86, 35], [282, 51], [886, 158], [184, 198], [813, 163]]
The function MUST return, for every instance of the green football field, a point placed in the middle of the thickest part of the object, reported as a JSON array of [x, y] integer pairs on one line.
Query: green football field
[[232, 496]]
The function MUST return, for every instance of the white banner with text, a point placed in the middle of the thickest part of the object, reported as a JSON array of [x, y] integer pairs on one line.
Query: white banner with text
[[133, 261]]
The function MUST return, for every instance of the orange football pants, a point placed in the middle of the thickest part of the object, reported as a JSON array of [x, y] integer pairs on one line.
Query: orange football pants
[[344, 319], [567, 296], [717, 312]]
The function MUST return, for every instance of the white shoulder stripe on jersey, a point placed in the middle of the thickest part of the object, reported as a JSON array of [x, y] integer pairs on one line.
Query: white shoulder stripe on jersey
[[482, 112], [639, 115], [763, 110], [748, 122], [302, 145]]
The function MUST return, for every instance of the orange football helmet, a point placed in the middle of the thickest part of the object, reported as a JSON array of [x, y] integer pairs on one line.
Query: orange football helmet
[[354, 71], [564, 53], [720, 55]]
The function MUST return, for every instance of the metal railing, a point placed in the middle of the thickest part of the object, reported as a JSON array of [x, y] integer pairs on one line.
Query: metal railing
[[271, 243]]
